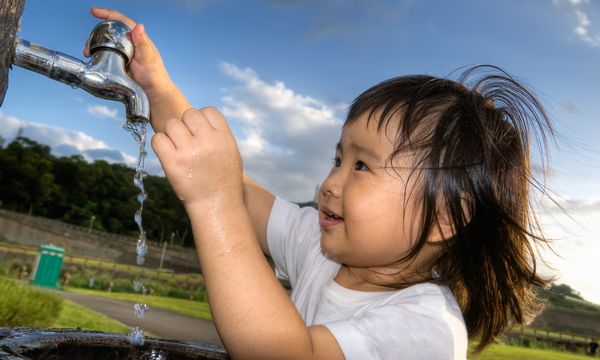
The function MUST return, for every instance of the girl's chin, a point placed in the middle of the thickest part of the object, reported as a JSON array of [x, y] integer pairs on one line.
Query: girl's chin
[[326, 248]]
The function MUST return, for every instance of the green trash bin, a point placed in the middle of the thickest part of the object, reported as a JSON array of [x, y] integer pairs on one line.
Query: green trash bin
[[46, 271]]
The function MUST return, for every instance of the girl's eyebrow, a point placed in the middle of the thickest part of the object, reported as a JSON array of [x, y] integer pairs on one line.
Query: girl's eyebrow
[[360, 149]]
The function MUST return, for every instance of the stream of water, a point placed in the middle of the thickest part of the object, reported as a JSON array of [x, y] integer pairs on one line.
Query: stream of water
[[138, 131]]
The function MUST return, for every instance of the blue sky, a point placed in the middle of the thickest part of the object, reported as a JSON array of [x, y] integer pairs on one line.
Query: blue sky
[[284, 72]]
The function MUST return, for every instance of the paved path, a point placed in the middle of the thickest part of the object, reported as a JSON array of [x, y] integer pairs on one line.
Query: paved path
[[160, 323]]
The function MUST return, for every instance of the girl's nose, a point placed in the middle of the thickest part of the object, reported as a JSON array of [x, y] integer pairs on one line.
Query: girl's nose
[[330, 188]]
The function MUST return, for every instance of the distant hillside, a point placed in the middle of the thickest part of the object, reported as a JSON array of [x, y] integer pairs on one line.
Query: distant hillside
[[569, 312]]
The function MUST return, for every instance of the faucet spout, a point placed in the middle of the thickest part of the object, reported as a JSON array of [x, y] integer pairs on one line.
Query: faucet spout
[[104, 76]]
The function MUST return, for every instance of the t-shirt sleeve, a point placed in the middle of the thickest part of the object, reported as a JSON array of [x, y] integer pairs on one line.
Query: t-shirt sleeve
[[289, 233], [392, 332]]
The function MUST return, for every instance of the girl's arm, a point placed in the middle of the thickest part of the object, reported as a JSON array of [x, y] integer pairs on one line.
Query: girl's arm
[[253, 314], [168, 102]]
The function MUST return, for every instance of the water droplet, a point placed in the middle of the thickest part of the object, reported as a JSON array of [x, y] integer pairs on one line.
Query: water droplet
[[142, 247], [136, 336], [142, 197], [138, 217], [157, 355], [190, 173], [140, 310], [137, 285], [194, 152]]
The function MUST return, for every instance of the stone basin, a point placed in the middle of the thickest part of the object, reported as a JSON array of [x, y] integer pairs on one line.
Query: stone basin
[[55, 344]]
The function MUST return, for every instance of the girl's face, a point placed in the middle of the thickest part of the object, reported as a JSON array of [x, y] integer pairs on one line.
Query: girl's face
[[366, 211]]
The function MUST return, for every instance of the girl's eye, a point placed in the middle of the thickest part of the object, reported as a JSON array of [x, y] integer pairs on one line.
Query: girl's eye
[[337, 162], [360, 166]]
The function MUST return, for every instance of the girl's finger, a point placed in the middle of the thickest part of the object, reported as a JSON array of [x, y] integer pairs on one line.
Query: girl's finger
[[178, 132], [215, 118], [162, 146], [196, 121], [110, 14]]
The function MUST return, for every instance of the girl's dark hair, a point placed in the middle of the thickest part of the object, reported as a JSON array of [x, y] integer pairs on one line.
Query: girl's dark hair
[[471, 138]]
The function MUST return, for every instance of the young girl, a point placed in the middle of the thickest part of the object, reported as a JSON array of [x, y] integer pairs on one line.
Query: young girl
[[422, 238]]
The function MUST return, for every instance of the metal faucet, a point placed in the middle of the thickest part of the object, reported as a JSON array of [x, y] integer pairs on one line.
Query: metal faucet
[[104, 76]]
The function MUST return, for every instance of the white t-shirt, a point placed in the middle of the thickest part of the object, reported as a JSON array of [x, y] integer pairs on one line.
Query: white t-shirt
[[419, 322]]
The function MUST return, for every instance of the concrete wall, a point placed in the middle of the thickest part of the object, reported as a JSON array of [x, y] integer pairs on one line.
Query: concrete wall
[[34, 231]]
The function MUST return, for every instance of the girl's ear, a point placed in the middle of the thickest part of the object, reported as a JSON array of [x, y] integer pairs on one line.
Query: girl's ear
[[444, 228]]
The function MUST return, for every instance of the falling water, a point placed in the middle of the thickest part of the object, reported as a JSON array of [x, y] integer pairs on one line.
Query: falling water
[[138, 131]]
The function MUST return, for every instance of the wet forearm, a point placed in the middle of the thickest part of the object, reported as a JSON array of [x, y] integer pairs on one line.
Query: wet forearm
[[243, 289]]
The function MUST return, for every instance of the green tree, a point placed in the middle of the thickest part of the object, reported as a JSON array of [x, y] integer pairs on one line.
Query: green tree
[[72, 190], [26, 178]]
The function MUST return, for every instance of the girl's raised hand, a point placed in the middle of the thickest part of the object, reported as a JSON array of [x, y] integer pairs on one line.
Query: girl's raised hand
[[146, 67], [200, 157]]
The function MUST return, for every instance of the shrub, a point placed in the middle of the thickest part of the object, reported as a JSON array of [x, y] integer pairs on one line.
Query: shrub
[[78, 280], [156, 288], [163, 287], [101, 282], [178, 293], [122, 285], [7, 267], [200, 294], [24, 306]]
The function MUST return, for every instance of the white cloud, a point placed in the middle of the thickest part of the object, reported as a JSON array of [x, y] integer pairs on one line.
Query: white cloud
[[574, 234], [286, 139], [102, 111], [583, 26], [65, 142]]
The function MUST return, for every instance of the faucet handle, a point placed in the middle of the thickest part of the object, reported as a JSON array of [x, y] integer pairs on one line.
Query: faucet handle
[[111, 35]]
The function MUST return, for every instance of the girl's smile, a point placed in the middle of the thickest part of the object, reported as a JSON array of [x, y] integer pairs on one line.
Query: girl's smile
[[329, 219]]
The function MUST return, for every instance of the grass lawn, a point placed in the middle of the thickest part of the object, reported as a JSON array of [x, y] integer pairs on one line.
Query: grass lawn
[[193, 308], [73, 316], [506, 352]]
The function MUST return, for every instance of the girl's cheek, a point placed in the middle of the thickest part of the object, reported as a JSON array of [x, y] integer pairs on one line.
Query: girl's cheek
[[359, 203]]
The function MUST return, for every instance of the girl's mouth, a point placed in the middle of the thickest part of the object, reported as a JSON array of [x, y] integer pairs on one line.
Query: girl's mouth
[[330, 219], [332, 216]]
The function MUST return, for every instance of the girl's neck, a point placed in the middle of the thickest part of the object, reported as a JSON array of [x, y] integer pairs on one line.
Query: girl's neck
[[388, 278], [365, 279]]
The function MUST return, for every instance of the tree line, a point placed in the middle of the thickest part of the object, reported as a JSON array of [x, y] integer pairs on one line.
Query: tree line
[[97, 195]]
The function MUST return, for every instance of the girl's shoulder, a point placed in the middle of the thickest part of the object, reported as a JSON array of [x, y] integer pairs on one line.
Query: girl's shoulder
[[428, 312]]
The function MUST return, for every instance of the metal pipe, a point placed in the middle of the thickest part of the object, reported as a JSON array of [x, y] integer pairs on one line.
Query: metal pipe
[[104, 76]]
